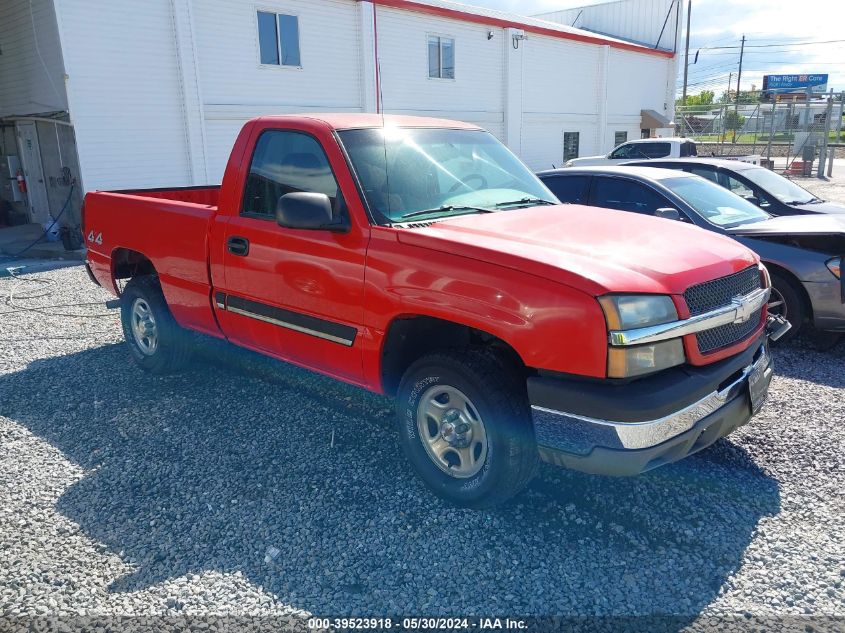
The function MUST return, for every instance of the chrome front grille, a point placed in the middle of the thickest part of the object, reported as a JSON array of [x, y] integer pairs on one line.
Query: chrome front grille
[[716, 294]]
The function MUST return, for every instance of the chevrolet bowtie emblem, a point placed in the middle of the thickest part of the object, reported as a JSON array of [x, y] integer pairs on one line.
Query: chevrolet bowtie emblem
[[744, 310]]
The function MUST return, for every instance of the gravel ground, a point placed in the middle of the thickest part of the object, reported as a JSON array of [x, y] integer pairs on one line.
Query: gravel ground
[[244, 487], [832, 188]]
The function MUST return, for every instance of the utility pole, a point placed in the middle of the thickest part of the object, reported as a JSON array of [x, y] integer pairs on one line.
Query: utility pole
[[725, 111], [738, 79], [739, 74], [686, 54]]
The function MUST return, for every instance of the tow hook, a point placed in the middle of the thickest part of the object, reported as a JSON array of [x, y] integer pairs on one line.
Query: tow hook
[[777, 326]]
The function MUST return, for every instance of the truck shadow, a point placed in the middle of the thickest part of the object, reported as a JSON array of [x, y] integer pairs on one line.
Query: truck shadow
[[208, 469]]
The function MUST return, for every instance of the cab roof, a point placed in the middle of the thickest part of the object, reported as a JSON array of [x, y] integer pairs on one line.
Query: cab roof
[[664, 139], [358, 120]]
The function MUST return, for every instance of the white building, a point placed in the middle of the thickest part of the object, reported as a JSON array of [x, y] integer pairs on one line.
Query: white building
[[152, 94]]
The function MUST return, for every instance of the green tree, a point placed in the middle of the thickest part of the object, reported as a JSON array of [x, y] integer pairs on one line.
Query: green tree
[[698, 103], [734, 120]]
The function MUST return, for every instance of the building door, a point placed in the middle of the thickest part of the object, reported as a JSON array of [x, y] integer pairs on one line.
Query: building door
[[36, 190]]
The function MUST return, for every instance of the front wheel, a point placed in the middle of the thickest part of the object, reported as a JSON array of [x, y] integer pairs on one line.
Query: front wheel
[[787, 301], [156, 342], [465, 426]]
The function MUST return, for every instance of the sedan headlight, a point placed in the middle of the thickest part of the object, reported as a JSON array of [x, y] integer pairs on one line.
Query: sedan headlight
[[835, 266], [627, 312]]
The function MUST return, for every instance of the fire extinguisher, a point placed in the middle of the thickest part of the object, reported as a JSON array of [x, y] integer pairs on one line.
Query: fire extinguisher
[[21, 181]]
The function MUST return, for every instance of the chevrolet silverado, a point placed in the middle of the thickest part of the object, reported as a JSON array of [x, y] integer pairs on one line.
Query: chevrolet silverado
[[419, 258]]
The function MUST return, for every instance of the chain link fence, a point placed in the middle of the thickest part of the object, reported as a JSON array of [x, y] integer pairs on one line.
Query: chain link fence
[[800, 135]]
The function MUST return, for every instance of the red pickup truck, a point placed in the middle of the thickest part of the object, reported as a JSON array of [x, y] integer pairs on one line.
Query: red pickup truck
[[419, 258]]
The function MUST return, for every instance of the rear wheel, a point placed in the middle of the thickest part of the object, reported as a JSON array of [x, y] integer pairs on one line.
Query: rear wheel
[[465, 426], [787, 301], [156, 342]]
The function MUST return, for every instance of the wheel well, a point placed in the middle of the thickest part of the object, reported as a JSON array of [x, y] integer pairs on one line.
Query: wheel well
[[127, 263], [799, 287], [409, 338]]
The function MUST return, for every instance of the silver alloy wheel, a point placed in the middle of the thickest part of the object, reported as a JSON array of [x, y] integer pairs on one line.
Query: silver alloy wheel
[[452, 431], [144, 329], [777, 304]]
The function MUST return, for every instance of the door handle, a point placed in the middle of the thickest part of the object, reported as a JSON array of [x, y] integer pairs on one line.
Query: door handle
[[238, 246]]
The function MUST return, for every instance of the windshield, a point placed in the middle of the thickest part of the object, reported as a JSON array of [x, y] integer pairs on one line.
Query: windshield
[[429, 173], [715, 204], [642, 150], [781, 188]]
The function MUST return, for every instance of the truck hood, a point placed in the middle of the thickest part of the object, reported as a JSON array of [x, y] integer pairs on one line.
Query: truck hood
[[820, 207], [822, 224], [594, 250]]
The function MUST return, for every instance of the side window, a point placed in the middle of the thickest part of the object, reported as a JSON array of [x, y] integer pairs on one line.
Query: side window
[[569, 189], [441, 57], [655, 150], [626, 195], [286, 162], [688, 149], [709, 174], [738, 187], [571, 145]]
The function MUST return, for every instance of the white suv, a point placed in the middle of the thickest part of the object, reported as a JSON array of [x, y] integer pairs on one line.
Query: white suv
[[638, 150]]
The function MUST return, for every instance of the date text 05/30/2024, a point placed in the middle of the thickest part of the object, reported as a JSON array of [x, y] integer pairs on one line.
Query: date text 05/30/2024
[[422, 623]]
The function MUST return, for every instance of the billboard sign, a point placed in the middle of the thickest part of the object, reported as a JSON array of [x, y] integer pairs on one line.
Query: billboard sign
[[791, 84]]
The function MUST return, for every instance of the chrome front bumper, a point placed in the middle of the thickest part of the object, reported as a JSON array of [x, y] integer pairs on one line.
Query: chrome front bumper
[[624, 448]]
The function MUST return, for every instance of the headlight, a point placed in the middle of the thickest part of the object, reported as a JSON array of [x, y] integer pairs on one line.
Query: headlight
[[767, 278], [626, 312], [835, 266], [625, 362]]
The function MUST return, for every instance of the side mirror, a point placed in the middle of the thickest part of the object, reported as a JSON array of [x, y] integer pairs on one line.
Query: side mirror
[[667, 213], [305, 210], [753, 200]]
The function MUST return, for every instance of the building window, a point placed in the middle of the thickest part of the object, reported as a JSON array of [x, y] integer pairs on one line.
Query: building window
[[571, 141], [278, 39], [441, 57], [619, 138]]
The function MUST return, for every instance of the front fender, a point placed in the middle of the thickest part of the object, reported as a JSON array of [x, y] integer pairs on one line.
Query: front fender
[[551, 326]]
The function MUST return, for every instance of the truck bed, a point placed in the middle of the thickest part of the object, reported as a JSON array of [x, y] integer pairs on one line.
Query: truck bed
[[206, 195], [171, 228]]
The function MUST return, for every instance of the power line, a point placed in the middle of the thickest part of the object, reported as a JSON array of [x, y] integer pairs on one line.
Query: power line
[[713, 48]]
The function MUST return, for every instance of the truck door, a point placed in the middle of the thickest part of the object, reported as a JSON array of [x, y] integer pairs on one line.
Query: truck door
[[293, 293]]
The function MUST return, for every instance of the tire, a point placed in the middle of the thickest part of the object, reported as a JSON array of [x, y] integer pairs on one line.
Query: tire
[[788, 300], [156, 342], [492, 460]]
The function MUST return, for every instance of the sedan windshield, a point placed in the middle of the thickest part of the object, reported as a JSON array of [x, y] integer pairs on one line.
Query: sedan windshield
[[781, 188], [427, 173], [715, 204]]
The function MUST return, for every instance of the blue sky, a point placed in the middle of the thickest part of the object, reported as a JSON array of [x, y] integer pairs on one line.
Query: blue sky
[[723, 22]]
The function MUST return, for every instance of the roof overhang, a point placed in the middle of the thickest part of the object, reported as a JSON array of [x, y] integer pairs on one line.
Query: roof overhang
[[653, 119], [467, 13]]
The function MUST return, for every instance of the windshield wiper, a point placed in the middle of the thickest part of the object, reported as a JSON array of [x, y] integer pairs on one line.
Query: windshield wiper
[[446, 207], [526, 200]]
